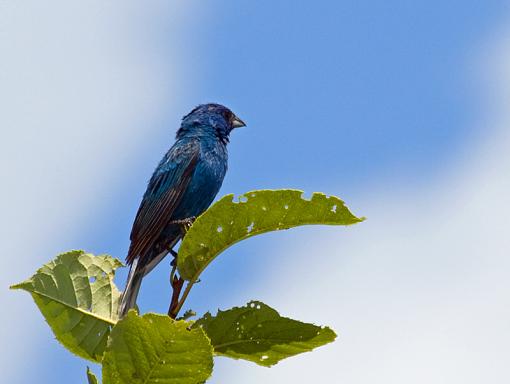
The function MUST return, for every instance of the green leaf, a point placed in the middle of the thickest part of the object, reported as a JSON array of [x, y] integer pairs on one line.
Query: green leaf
[[258, 333], [155, 349], [228, 222], [91, 377], [77, 297]]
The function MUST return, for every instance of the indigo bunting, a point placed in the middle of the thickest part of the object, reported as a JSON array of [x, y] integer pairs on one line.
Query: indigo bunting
[[183, 185]]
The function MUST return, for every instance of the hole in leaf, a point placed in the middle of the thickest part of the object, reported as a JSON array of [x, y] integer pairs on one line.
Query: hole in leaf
[[265, 357], [333, 209], [219, 229], [306, 196], [92, 279], [103, 274], [286, 206], [252, 305], [243, 199], [250, 227], [264, 208]]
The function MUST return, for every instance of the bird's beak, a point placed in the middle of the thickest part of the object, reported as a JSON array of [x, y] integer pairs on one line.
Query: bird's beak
[[237, 123]]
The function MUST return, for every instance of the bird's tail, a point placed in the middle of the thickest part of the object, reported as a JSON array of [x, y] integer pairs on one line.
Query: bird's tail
[[133, 284]]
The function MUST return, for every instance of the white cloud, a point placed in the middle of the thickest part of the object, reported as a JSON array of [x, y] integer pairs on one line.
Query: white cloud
[[82, 84], [419, 293]]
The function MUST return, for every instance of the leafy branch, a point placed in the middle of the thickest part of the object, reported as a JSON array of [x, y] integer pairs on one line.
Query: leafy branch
[[79, 300]]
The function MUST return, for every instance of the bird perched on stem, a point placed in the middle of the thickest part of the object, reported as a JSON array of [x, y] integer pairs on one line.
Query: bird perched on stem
[[183, 185]]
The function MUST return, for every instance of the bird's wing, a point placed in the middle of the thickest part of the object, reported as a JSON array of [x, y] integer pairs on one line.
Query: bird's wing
[[164, 192]]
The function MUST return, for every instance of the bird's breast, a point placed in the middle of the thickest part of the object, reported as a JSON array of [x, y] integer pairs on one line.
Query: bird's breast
[[205, 182]]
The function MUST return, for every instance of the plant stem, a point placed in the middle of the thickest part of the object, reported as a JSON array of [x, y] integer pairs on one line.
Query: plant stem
[[182, 300], [177, 284]]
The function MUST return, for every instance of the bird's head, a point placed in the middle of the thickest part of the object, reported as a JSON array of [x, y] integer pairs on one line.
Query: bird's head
[[210, 119]]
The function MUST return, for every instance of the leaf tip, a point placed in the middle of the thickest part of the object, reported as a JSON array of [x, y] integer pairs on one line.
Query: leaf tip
[[23, 285], [91, 377]]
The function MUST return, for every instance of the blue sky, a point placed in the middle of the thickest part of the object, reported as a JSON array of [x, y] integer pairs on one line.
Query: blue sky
[[386, 105]]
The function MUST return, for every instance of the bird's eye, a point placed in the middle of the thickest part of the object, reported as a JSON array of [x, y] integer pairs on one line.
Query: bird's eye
[[228, 115]]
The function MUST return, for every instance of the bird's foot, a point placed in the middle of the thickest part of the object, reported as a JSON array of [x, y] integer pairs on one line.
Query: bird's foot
[[185, 223], [173, 263]]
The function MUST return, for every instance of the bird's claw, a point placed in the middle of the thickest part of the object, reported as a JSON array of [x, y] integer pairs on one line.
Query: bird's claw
[[185, 223]]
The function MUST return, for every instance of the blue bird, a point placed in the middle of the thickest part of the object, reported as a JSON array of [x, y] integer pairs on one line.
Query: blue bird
[[183, 185]]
